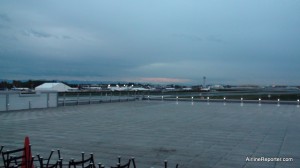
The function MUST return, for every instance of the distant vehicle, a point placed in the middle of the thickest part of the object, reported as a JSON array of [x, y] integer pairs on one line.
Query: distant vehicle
[[20, 89], [281, 88], [170, 89], [73, 89], [92, 88]]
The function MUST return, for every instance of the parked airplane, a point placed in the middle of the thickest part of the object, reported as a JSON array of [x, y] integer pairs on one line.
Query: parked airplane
[[134, 88], [117, 88], [206, 89], [92, 88]]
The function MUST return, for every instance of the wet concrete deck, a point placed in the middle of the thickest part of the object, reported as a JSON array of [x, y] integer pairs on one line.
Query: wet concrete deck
[[194, 135]]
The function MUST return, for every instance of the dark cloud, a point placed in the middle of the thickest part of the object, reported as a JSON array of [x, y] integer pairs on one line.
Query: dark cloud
[[214, 38], [66, 37], [4, 18], [187, 37], [37, 66], [43, 34], [195, 38], [38, 34], [4, 21]]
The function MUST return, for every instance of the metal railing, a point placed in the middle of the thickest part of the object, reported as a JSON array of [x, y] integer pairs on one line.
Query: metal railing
[[13, 100], [80, 98], [24, 100]]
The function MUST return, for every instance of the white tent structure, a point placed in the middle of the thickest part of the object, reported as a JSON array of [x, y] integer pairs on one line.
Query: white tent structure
[[56, 87]]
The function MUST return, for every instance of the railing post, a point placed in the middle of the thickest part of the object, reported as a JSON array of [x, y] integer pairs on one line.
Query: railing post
[[82, 158], [64, 100], [77, 98], [56, 94], [90, 98], [48, 97], [127, 95], [110, 95], [7, 102]]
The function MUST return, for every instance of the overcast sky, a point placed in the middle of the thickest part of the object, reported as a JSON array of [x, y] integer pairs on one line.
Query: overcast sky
[[172, 41]]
